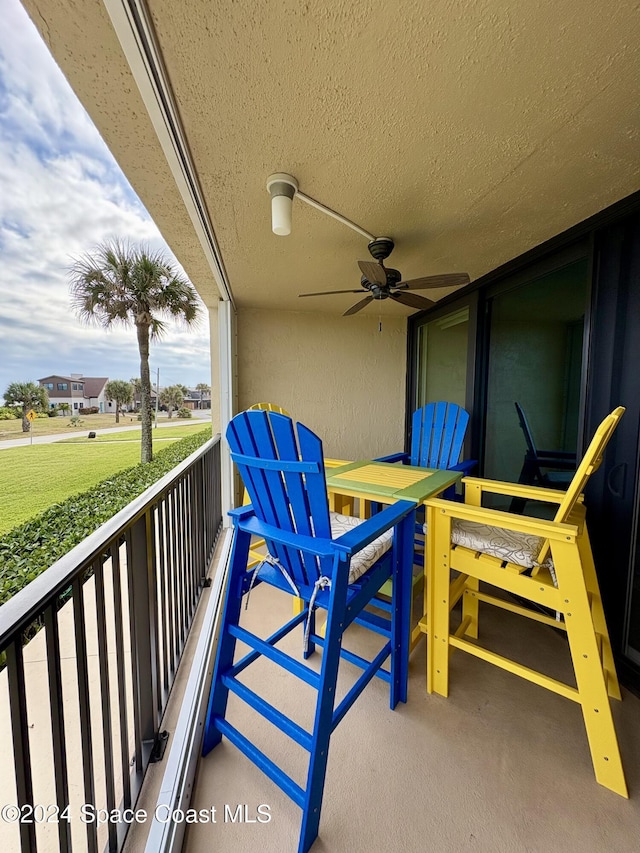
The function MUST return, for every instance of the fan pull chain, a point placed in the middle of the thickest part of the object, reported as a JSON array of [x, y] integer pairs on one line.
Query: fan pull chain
[[380, 322]]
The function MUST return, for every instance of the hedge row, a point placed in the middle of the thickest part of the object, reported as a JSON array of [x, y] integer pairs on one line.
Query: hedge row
[[32, 547]]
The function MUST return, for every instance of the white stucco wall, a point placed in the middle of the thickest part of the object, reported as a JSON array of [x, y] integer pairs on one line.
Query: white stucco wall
[[340, 376]]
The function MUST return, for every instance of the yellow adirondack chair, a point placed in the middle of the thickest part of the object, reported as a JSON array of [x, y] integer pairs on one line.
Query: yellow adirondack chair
[[269, 407], [548, 563]]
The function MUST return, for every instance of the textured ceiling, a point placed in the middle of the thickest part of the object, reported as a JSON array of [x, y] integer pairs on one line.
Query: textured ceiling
[[468, 131]]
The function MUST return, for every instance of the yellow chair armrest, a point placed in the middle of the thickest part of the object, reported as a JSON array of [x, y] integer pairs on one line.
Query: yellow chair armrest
[[507, 520], [516, 490]]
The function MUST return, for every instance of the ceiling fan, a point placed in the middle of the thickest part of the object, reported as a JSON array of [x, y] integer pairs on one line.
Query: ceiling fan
[[383, 282]]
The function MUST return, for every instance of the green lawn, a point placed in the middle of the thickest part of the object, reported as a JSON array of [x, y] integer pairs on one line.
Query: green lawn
[[160, 434], [34, 477], [49, 426]]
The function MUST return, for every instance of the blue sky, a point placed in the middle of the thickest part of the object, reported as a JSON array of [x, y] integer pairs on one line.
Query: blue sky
[[61, 193]]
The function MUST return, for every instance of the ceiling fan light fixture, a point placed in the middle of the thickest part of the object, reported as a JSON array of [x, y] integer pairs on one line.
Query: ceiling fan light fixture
[[281, 188]]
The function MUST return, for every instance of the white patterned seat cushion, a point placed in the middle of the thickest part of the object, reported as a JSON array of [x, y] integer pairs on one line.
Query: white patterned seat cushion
[[363, 560], [509, 545]]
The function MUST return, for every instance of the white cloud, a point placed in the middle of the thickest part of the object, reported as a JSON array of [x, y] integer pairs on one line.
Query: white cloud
[[61, 193]]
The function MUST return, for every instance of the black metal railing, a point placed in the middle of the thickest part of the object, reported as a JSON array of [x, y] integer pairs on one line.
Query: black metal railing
[[86, 693]]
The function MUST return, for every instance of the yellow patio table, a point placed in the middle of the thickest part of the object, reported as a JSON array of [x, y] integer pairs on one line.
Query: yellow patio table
[[386, 483]]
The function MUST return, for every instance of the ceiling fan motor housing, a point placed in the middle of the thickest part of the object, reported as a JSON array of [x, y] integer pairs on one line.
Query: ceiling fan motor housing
[[381, 248]]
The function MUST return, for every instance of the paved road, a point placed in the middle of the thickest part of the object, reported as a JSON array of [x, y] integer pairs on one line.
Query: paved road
[[48, 439]]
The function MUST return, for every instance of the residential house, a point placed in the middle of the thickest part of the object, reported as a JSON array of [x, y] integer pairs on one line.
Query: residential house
[[136, 398], [498, 140], [197, 399], [94, 394], [78, 391]]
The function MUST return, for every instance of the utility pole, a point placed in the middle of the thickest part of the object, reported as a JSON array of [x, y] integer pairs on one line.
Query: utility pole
[[157, 394]]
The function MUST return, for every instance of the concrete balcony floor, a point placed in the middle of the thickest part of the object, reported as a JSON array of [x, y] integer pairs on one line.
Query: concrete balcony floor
[[501, 765]]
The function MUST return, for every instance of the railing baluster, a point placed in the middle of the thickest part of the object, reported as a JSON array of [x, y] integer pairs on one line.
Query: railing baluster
[[186, 554], [162, 580], [61, 776], [191, 544], [83, 704], [143, 649], [171, 615], [178, 568], [186, 577], [177, 505], [20, 732], [153, 614], [120, 669], [135, 683], [199, 525], [105, 691], [187, 527]]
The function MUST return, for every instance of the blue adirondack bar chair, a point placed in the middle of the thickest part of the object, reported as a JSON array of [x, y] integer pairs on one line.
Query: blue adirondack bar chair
[[329, 561], [437, 437]]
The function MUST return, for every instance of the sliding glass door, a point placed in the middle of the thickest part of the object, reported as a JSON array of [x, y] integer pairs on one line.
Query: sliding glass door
[[442, 359], [536, 333]]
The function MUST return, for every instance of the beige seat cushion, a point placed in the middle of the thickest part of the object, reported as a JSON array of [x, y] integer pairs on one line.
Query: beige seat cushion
[[363, 560], [508, 545]]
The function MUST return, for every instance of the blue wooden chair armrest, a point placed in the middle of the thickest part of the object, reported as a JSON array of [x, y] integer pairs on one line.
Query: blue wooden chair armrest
[[466, 466], [240, 512], [394, 457], [349, 543], [362, 535], [310, 544]]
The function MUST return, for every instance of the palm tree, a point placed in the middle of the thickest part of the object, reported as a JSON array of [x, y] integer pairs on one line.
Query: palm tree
[[118, 283], [29, 396], [203, 388], [172, 397], [120, 392]]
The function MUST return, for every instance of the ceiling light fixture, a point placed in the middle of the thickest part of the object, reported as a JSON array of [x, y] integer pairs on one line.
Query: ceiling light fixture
[[282, 188]]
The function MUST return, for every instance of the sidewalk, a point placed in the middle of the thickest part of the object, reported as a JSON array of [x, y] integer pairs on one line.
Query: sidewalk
[[48, 439]]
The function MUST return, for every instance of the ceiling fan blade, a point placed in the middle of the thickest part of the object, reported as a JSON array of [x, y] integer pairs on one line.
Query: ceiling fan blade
[[413, 300], [330, 292], [373, 272], [358, 306], [451, 279]]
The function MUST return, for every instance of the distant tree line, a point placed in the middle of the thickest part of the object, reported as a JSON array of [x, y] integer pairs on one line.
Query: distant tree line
[[23, 397]]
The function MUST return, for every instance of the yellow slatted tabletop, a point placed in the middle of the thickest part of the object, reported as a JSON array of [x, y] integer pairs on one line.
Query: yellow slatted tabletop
[[385, 482]]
